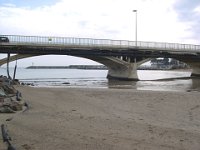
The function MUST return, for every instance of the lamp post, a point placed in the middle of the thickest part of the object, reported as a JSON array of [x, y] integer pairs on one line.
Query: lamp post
[[135, 11]]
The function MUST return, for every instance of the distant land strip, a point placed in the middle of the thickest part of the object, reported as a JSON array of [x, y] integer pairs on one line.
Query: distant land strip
[[102, 67], [88, 67]]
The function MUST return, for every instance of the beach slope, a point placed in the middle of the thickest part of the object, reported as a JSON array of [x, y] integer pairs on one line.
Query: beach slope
[[105, 119]]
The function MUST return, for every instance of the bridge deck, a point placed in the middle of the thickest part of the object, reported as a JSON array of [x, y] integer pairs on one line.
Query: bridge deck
[[88, 43]]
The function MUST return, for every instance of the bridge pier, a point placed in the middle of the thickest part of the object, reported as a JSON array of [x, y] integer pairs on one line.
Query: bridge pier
[[128, 72], [195, 69]]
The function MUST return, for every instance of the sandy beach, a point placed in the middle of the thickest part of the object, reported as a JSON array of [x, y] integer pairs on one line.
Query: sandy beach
[[105, 119]]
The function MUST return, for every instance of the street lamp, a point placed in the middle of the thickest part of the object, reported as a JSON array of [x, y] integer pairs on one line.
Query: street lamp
[[135, 11]]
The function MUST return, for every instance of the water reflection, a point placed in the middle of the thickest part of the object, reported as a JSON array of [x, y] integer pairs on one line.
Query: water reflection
[[122, 84], [166, 85], [160, 81], [187, 84]]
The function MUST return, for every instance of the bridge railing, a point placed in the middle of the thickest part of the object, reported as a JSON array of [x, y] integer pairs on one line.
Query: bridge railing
[[89, 42]]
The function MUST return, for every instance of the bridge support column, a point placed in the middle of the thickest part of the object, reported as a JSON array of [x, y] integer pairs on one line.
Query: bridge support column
[[195, 69], [128, 72]]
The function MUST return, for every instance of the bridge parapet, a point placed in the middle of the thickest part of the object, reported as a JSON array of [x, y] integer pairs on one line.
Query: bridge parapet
[[104, 43]]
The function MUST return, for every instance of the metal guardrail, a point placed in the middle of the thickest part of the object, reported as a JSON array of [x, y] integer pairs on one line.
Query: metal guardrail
[[64, 41]]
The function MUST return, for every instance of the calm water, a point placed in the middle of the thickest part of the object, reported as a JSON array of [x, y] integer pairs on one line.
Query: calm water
[[149, 80]]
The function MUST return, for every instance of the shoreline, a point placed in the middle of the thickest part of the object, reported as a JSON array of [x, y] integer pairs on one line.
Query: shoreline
[[115, 119]]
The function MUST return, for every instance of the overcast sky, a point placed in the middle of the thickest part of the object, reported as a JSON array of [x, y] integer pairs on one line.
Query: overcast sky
[[158, 20]]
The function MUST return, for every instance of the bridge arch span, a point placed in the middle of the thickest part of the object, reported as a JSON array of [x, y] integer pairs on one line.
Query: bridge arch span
[[117, 67]]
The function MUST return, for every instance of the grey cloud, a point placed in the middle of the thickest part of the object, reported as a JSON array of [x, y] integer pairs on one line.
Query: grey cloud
[[185, 10]]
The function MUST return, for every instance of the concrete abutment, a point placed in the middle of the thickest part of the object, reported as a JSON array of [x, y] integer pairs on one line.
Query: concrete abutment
[[127, 72], [195, 66]]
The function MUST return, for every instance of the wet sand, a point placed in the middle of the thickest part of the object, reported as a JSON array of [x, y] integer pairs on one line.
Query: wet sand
[[105, 119]]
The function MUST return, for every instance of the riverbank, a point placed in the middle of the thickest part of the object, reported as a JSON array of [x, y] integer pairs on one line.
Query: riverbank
[[102, 119]]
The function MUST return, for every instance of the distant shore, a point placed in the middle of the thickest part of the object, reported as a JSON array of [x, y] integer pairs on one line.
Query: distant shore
[[89, 67], [98, 67]]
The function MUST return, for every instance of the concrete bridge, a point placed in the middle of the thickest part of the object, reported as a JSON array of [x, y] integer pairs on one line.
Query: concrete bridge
[[121, 57]]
